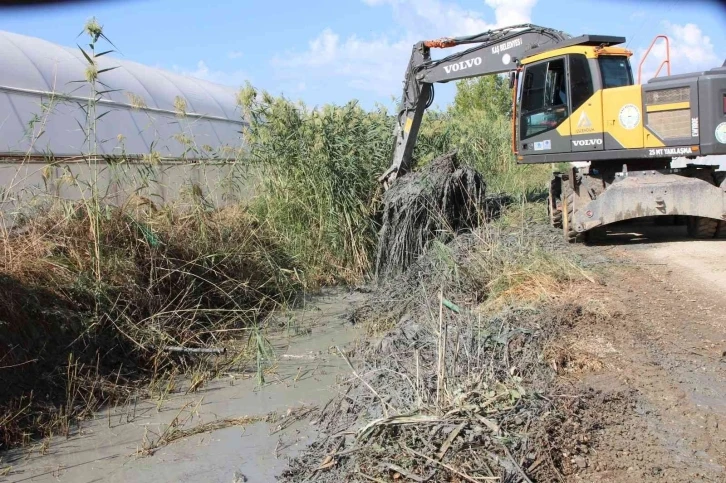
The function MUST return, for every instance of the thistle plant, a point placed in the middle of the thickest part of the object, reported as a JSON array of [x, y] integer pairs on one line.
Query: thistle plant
[[97, 88]]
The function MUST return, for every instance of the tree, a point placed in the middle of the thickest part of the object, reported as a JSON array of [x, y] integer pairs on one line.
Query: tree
[[489, 95]]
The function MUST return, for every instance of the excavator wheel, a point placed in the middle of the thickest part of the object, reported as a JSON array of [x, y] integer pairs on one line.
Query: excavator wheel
[[719, 177], [702, 228], [554, 202], [664, 220], [555, 214], [568, 212], [721, 231]]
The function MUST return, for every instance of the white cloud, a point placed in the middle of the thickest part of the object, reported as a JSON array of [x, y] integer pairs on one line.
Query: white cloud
[[691, 45], [451, 20], [321, 50], [436, 18], [234, 54], [368, 65], [377, 63], [234, 78], [690, 50], [508, 12]]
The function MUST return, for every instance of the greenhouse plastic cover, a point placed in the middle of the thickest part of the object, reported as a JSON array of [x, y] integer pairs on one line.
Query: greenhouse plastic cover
[[34, 122]]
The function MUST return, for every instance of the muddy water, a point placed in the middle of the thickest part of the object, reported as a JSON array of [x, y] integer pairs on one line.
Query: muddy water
[[307, 370]]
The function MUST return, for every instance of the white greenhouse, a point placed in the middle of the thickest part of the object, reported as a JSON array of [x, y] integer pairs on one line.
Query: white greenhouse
[[188, 129], [143, 105]]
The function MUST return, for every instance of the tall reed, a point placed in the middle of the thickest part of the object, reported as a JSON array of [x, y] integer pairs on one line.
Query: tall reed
[[318, 169]]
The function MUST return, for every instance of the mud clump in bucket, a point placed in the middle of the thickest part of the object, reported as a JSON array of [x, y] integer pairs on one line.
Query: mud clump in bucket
[[436, 202]]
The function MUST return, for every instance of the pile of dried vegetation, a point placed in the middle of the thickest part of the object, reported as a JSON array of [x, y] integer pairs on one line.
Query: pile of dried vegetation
[[457, 383], [98, 306]]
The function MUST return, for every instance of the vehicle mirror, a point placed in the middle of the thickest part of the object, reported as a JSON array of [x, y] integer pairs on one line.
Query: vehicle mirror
[[512, 78]]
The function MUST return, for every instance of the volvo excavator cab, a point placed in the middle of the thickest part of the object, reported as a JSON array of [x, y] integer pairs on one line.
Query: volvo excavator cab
[[561, 96]]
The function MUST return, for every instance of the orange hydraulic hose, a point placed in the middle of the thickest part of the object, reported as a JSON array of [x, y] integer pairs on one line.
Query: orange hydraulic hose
[[442, 43]]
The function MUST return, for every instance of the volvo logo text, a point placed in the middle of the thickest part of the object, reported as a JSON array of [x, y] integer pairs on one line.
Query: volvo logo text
[[463, 65], [587, 142]]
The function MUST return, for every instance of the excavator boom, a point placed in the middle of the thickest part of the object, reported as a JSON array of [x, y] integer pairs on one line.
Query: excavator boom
[[493, 52]]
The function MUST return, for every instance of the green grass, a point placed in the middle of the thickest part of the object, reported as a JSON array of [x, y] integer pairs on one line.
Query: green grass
[[485, 143], [518, 259], [318, 170]]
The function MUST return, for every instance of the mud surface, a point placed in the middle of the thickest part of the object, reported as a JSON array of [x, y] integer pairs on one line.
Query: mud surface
[[306, 375]]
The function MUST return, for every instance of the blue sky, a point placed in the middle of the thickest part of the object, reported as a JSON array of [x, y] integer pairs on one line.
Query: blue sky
[[324, 51]]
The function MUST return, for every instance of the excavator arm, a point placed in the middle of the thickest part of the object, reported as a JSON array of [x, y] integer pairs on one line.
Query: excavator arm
[[494, 52]]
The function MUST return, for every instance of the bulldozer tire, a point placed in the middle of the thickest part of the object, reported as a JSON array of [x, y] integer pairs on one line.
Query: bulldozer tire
[[702, 228], [568, 212], [721, 231]]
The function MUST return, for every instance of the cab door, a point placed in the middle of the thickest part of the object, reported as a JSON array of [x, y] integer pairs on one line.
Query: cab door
[[544, 109], [586, 121]]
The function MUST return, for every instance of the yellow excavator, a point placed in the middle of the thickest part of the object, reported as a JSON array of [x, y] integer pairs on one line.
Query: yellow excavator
[[575, 100]]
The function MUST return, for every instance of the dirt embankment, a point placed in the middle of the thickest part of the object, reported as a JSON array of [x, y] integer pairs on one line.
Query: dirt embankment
[[628, 384], [459, 379]]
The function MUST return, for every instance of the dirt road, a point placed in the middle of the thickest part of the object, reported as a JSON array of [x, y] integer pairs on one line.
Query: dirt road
[[661, 347], [700, 262]]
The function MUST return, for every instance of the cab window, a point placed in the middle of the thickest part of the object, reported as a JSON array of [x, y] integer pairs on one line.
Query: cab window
[[581, 88], [544, 98], [615, 70]]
